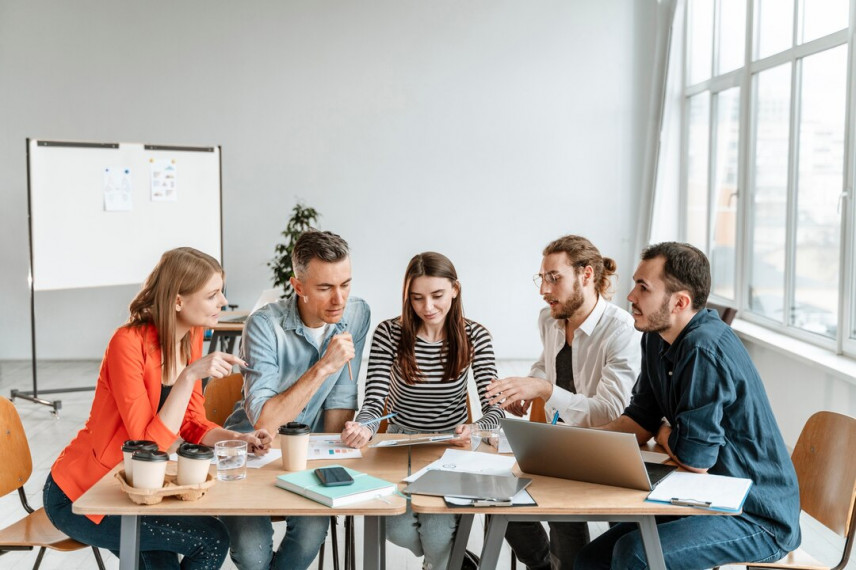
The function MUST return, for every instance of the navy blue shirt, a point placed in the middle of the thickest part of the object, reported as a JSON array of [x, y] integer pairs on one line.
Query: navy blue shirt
[[708, 389]]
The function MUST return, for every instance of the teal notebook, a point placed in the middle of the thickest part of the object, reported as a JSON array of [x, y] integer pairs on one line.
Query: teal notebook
[[365, 487]]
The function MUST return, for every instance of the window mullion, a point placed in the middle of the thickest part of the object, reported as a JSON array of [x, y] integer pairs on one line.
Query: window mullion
[[793, 160]]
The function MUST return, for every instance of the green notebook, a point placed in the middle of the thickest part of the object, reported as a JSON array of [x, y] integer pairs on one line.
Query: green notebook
[[365, 487]]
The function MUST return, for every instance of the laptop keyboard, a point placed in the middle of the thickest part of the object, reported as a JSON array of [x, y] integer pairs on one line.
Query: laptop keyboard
[[657, 472]]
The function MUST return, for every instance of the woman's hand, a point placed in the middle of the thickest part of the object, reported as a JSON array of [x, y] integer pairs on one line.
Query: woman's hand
[[216, 365], [463, 439], [258, 442], [356, 435]]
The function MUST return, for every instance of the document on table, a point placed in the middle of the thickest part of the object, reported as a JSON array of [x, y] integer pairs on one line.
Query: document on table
[[654, 457], [256, 461], [703, 490], [330, 447], [468, 462]]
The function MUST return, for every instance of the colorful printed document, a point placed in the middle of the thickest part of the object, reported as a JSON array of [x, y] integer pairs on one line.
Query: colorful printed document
[[329, 446]]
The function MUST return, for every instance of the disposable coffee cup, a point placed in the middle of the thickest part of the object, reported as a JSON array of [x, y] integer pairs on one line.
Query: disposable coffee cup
[[149, 469], [294, 442], [194, 462], [128, 449]]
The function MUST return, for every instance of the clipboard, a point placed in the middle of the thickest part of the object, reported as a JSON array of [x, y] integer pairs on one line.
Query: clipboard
[[421, 440], [468, 485]]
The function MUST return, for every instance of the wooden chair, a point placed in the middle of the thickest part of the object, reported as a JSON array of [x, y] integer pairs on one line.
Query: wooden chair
[[221, 395], [826, 471], [727, 314], [35, 529]]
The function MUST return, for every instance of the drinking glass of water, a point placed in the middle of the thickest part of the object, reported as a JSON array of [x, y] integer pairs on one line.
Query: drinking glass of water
[[231, 459]]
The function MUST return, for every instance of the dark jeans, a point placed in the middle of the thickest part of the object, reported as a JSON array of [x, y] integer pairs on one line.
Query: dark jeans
[[202, 541], [529, 542], [689, 543]]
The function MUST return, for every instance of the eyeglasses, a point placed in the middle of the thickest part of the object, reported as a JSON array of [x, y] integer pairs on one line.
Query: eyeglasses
[[551, 278]]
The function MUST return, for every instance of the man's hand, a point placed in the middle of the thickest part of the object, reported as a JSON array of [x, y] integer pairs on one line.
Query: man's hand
[[662, 437], [509, 393], [519, 408], [258, 442], [340, 351]]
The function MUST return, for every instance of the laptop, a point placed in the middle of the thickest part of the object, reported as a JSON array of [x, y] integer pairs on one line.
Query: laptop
[[267, 296], [582, 454]]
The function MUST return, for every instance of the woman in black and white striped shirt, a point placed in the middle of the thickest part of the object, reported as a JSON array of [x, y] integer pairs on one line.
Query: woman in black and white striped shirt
[[418, 368]]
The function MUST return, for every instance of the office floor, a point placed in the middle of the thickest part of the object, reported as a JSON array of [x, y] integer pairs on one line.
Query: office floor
[[48, 434]]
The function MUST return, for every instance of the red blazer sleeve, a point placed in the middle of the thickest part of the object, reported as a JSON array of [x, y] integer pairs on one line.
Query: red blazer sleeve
[[195, 424]]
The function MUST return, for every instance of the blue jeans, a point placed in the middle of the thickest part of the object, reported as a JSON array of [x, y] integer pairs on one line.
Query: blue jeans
[[202, 541], [252, 542], [689, 543], [423, 535]]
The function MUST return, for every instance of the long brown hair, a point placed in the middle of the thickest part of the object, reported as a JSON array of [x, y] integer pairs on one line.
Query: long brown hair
[[180, 271], [458, 349]]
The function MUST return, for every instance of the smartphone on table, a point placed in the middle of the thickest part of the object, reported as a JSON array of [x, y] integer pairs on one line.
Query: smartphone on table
[[333, 476]]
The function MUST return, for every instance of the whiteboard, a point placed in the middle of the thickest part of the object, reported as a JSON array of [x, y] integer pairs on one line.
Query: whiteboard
[[101, 214]]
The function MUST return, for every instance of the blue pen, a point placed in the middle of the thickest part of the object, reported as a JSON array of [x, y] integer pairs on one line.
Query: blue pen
[[555, 418], [374, 421]]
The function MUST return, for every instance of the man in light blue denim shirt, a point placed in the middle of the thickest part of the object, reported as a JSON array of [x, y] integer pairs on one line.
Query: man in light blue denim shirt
[[298, 353]]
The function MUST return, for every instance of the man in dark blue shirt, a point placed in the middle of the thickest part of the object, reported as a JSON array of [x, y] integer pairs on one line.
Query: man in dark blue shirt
[[702, 399]]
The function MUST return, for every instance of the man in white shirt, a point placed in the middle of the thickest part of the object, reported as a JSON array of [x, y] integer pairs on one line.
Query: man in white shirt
[[589, 364]]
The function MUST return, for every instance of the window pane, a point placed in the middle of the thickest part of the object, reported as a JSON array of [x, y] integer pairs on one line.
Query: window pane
[[823, 17], [723, 249], [775, 26], [820, 179], [700, 40], [697, 169], [770, 193], [732, 34]]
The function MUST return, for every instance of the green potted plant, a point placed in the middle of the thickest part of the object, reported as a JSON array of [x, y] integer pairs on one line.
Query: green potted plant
[[302, 218]]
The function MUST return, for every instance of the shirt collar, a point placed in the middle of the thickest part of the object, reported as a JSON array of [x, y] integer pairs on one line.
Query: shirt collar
[[669, 350], [291, 319]]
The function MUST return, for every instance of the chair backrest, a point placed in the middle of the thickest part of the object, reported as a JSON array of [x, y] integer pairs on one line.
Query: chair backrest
[[221, 394], [727, 314], [537, 413], [826, 470], [14, 449]]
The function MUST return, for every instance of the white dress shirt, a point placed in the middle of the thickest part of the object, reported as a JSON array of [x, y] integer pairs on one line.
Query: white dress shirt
[[606, 362]]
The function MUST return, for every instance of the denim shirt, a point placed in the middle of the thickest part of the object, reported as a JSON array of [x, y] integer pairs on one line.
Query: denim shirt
[[709, 390], [279, 349]]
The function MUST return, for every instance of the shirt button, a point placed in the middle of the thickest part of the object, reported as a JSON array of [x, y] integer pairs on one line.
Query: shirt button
[[670, 372]]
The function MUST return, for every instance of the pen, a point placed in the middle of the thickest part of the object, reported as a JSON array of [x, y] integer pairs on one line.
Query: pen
[[555, 418], [350, 372], [492, 503], [369, 422], [690, 503]]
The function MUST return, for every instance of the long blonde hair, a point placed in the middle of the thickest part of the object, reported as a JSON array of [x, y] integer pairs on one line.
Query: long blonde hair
[[180, 271]]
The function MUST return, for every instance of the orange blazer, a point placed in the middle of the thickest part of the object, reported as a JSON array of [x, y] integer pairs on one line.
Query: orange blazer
[[125, 407]]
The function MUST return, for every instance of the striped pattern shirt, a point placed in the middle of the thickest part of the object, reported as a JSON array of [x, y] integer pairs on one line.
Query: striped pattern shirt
[[430, 404]]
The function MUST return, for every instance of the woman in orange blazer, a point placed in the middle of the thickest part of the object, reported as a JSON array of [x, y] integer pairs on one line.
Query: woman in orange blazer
[[150, 388]]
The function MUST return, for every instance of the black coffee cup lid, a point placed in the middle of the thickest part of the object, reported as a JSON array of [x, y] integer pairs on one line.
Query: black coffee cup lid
[[138, 445], [146, 455], [194, 451], [293, 428]]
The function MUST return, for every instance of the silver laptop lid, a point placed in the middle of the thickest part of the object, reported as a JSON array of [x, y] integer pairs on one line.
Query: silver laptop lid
[[581, 454]]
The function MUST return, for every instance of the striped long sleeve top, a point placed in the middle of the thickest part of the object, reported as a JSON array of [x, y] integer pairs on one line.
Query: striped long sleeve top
[[430, 404]]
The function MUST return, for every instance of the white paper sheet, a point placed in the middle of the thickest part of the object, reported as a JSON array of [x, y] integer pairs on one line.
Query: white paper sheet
[[469, 462]]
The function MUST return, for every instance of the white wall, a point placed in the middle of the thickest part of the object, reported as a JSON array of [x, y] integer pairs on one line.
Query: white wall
[[480, 129]]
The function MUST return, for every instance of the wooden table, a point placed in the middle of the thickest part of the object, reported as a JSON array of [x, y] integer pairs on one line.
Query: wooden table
[[257, 495], [557, 500], [226, 334]]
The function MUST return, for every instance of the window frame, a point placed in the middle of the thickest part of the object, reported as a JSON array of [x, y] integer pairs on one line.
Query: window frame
[[746, 79]]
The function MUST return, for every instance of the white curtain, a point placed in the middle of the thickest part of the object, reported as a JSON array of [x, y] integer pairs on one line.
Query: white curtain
[[660, 215]]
